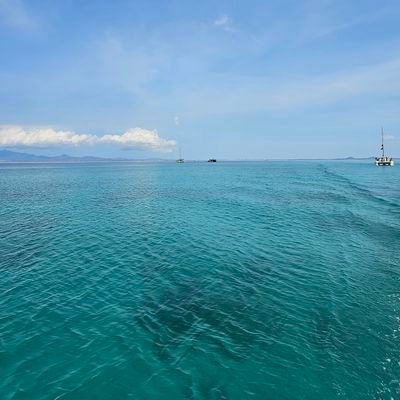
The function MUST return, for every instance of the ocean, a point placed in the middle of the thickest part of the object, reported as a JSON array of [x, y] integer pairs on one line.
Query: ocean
[[243, 280]]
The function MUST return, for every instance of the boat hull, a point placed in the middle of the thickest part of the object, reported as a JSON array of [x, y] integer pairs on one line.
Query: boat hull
[[384, 163]]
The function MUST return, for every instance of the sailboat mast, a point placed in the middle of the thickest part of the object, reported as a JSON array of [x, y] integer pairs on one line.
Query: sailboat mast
[[382, 147]]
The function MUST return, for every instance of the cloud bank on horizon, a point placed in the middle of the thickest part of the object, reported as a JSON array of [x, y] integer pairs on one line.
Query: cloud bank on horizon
[[135, 138]]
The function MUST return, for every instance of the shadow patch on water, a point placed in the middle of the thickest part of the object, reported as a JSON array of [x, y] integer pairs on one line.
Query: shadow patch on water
[[224, 322]]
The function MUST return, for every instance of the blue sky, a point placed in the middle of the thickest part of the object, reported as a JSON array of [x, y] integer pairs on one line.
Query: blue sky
[[227, 79]]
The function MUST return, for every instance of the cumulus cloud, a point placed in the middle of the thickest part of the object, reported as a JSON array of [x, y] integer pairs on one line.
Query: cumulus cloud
[[135, 138], [139, 138]]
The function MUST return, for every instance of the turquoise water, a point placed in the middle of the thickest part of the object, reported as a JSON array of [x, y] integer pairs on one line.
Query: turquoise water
[[200, 281]]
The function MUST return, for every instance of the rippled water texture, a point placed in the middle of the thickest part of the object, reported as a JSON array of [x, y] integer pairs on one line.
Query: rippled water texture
[[200, 281]]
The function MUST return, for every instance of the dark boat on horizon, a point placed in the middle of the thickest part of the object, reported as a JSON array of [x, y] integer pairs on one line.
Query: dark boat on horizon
[[180, 160]]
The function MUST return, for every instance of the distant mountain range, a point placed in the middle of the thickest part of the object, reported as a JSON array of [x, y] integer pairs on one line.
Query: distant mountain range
[[13, 156]]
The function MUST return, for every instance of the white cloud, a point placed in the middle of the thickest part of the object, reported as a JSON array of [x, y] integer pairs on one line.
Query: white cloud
[[139, 138], [14, 13], [223, 20], [135, 138], [286, 93], [177, 121], [324, 18]]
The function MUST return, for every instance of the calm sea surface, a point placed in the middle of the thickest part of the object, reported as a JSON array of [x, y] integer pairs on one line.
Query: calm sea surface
[[276, 280]]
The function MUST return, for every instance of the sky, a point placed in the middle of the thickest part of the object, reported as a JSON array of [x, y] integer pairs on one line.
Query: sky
[[223, 79]]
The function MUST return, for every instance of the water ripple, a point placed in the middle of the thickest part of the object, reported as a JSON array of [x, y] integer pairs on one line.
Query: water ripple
[[243, 280]]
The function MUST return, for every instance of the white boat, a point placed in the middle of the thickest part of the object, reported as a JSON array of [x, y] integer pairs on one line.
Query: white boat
[[384, 161]]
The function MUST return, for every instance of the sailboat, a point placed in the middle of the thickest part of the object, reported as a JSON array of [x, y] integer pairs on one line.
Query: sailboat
[[384, 161], [180, 160]]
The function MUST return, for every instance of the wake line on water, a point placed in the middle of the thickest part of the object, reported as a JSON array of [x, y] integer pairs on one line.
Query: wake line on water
[[360, 189]]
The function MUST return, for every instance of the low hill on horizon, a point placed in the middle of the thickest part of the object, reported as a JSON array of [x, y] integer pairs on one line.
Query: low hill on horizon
[[14, 156]]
